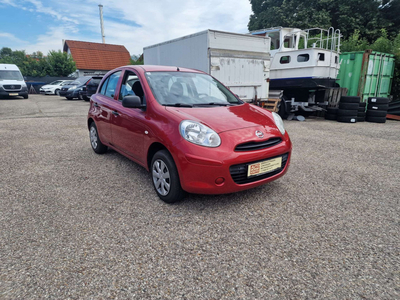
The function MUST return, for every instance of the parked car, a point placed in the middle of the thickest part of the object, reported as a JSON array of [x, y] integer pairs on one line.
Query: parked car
[[90, 88], [12, 83], [54, 87], [188, 130], [72, 90]]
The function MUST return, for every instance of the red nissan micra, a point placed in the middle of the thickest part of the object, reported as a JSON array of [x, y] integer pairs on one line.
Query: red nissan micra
[[188, 130]]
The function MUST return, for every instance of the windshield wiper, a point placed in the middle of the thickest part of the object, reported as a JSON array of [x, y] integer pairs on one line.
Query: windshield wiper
[[178, 105], [212, 103]]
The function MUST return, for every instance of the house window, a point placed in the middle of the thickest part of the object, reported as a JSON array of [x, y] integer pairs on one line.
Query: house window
[[321, 56], [285, 59], [303, 57]]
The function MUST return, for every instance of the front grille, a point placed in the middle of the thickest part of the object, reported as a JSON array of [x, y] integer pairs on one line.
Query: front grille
[[12, 87], [64, 89], [239, 172], [252, 146]]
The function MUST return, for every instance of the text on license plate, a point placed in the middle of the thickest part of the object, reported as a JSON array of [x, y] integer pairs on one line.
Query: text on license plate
[[265, 166], [13, 94]]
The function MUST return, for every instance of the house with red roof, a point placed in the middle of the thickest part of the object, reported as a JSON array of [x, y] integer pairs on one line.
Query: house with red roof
[[96, 58]]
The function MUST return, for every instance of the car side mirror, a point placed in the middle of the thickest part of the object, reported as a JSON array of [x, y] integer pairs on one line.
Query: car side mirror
[[132, 102]]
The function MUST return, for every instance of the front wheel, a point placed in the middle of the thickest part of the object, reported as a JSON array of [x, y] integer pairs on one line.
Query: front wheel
[[95, 142], [165, 177], [57, 92]]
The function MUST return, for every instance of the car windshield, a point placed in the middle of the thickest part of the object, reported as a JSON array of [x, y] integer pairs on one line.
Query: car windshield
[[10, 75], [189, 90], [57, 82], [80, 81], [66, 82]]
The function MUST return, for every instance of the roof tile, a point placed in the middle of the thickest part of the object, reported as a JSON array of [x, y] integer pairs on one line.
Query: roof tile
[[97, 56]]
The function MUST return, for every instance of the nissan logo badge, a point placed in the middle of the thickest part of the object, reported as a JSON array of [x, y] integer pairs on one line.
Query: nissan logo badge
[[259, 134]]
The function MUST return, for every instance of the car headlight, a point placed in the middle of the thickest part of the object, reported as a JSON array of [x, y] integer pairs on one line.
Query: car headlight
[[278, 122], [72, 88], [199, 134]]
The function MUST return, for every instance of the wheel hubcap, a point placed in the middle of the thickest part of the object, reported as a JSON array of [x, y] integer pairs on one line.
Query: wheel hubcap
[[93, 137], [161, 177]]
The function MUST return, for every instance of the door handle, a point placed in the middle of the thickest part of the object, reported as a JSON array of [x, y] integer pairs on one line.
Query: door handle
[[115, 113], [95, 104]]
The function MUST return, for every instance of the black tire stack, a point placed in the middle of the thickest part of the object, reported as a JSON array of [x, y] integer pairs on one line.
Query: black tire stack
[[377, 109], [331, 113], [348, 109], [361, 112]]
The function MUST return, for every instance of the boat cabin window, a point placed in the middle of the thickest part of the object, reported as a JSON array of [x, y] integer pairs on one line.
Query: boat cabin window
[[303, 57], [275, 44], [289, 41], [336, 59], [285, 59], [321, 56]]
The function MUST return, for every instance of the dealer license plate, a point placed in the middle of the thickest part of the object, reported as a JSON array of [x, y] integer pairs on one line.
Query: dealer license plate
[[13, 94], [265, 166]]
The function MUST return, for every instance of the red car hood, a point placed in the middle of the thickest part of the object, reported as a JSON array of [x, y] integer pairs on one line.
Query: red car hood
[[226, 118]]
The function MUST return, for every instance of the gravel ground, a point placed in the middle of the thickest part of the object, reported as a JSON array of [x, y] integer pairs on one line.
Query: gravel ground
[[76, 225]]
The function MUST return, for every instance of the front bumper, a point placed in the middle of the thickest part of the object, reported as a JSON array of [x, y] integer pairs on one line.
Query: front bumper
[[69, 94], [46, 92], [6, 94], [202, 174]]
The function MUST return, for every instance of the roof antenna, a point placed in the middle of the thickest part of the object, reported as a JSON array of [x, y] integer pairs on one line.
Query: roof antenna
[[177, 68]]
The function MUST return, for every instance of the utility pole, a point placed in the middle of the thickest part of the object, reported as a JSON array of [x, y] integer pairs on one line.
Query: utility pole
[[102, 23]]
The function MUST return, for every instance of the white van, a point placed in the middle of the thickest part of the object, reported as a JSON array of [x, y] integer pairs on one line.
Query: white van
[[11, 82]]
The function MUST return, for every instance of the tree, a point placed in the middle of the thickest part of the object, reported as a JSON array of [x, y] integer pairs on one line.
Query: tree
[[390, 10], [60, 63], [37, 65], [346, 15]]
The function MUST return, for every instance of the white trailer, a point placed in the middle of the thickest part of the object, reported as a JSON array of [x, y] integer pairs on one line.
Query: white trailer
[[239, 61]]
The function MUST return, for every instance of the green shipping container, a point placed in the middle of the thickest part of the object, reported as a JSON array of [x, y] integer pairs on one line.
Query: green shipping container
[[366, 74]]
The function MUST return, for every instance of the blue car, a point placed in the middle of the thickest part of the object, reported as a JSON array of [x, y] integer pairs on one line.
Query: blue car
[[72, 90]]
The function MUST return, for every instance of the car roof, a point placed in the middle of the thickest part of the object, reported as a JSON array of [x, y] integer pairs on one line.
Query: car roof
[[153, 68]]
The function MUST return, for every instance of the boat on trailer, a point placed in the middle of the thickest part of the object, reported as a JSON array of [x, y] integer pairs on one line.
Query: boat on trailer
[[304, 65]]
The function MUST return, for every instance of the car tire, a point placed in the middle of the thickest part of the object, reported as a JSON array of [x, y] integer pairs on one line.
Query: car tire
[[347, 112], [25, 96], [350, 99], [360, 119], [69, 98], [378, 100], [373, 106], [331, 117], [86, 98], [375, 119], [80, 97], [95, 142], [376, 113], [57, 92], [165, 177], [351, 106], [347, 119], [363, 104], [332, 110]]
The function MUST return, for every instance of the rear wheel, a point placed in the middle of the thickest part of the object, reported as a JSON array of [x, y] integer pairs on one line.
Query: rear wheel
[[95, 142], [165, 177]]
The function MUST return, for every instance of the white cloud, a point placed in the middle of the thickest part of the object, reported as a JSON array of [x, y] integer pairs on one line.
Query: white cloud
[[158, 20], [11, 37]]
